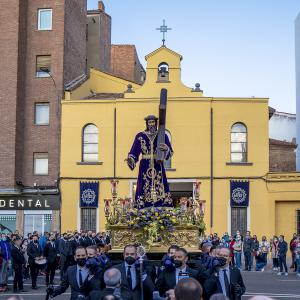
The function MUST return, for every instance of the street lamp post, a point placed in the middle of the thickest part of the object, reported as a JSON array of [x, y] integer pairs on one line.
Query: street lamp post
[[46, 70]]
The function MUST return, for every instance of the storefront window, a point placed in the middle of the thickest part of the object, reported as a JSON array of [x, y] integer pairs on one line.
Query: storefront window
[[8, 221], [37, 222]]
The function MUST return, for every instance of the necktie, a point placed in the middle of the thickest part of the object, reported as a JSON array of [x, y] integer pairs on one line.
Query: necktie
[[226, 281], [129, 278], [80, 278]]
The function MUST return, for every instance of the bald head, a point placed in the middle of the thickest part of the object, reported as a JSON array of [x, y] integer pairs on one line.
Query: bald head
[[188, 288], [112, 277]]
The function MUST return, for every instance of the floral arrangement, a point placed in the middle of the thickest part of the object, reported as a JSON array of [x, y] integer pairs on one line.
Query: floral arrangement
[[153, 221]]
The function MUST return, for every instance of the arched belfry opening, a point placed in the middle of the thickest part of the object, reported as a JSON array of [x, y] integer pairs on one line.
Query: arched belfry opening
[[163, 72]]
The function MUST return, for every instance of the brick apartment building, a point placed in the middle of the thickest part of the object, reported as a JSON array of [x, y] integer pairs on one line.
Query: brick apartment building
[[46, 47], [119, 60], [43, 50]]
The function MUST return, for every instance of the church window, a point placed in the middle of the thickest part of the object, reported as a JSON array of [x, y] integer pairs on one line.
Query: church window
[[88, 219], [90, 143], [238, 143], [238, 220]]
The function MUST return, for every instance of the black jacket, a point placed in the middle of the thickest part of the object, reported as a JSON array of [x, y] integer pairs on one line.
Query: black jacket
[[74, 244], [33, 251], [213, 285], [88, 241], [50, 252], [70, 279], [65, 248], [248, 245], [17, 256], [167, 280], [148, 284]]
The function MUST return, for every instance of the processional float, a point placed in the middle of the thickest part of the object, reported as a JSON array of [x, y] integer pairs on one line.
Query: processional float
[[140, 220]]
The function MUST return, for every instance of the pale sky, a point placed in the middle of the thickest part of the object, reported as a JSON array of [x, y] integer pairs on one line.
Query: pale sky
[[233, 48]]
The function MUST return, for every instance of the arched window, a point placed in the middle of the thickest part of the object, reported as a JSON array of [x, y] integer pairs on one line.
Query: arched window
[[168, 163], [238, 143], [163, 72], [90, 143]]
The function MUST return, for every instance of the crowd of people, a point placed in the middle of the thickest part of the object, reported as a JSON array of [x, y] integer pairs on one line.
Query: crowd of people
[[84, 264], [257, 251]]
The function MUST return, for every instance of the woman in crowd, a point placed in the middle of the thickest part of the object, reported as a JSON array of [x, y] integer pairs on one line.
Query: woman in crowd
[[237, 251], [263, 251], [274, 253]]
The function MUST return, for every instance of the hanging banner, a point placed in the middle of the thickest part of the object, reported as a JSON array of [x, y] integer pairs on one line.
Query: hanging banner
[[239, 193], [89, 193]]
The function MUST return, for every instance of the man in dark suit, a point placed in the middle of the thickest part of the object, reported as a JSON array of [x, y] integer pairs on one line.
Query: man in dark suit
[[77, 277], [89, 239], [168, 278], [131, 277], [18, 260], [65, 251], [112, 280], [34, 251], [226, 280], [75, 242], [50, 253]]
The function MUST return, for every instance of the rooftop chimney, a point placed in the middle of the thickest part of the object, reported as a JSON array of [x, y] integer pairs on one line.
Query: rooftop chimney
[[101, 6]]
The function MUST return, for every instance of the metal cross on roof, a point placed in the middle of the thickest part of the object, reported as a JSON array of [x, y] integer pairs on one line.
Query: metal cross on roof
[[163, 28]]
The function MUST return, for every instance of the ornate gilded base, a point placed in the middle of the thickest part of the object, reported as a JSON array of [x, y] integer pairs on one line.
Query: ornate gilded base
[[183, 236]]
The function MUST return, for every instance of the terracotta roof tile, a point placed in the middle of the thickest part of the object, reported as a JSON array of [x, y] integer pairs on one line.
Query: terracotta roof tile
[[105, 96], [282, 143]]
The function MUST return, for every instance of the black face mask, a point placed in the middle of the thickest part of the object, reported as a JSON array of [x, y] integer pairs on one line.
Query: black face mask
[[130, 260], [222, 261], [35, 241], [81, 262], [177, 263]]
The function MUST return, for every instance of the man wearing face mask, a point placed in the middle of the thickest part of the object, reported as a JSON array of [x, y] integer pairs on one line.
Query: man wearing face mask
[[89, 240], [168, 279], [34, 251], [131, 277], [50, 253], [18, 261], [75, 242], [65, 251], [77, 277], [225, 280]]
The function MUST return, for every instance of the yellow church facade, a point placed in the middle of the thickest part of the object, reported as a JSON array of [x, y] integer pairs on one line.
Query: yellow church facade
[[216, 141]]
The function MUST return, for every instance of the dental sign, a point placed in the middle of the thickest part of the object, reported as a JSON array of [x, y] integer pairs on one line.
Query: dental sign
[[34, 202]]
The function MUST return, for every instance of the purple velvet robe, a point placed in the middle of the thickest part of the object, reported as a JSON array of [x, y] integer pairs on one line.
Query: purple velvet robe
[[147, 180]]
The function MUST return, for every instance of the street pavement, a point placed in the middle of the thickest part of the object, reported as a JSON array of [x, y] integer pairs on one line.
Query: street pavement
[[257, 283]]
